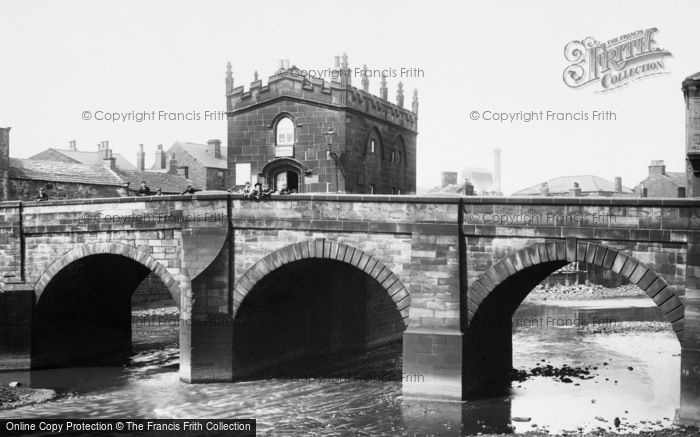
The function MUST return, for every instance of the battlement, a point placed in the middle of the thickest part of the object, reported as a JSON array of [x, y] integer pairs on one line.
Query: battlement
[[333, 93]]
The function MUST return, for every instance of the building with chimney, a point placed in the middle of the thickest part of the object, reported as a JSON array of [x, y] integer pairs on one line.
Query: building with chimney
[[205, 165], [21, 179], [582, 185], [75, 156], [65, 178], [316, 136], [449, 186], [662, 183], [483, 181]]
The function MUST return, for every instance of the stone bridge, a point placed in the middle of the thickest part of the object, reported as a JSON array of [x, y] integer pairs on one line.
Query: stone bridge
[[260, 284]]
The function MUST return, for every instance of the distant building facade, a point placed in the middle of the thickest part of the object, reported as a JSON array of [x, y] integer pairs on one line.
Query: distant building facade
[[21, 179], [205, 165], [66, 178], [582, 185], [662, 183], [276, 135]]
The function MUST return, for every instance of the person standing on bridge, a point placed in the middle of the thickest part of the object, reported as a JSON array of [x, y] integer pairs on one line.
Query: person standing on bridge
[[42, 196], [189, 190], [143, 190]]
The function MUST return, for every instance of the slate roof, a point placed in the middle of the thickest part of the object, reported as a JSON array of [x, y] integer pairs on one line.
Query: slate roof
[[58, 171], [168, 183], [562, 184], [679, 179], [199, 152], [94, 158]]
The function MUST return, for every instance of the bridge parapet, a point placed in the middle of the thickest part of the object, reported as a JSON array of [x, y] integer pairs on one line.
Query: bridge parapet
[[606, 218]]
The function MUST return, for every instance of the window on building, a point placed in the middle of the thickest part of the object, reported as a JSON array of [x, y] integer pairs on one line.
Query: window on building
[[393, 156], [371, 188], [220, 179], [285, 132], [372, 146], [398, 191], [242, 173]]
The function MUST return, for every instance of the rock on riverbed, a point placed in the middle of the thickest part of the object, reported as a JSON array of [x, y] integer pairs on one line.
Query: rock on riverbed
[[13, 397], [583, 292]]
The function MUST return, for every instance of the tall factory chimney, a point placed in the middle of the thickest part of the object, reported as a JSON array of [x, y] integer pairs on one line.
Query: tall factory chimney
[[497, 171]]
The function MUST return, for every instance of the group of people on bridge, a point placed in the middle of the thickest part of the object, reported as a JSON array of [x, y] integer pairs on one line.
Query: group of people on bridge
[[144, 190], [260, 191]]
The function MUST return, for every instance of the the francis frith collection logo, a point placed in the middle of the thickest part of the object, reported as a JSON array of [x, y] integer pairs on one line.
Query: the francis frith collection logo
[[614, 63]]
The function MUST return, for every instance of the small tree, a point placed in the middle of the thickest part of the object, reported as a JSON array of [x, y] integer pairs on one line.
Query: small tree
[[468, 188]]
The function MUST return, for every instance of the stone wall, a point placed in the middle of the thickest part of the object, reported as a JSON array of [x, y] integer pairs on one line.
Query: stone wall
[[252, 140], [4, 162], [22, 189], [391, 168], [151, 289]]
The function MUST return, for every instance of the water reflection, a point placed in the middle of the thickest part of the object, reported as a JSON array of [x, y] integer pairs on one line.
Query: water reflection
[[363, 396]]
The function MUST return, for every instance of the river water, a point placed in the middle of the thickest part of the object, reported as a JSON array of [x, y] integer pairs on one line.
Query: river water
[[634, 375]]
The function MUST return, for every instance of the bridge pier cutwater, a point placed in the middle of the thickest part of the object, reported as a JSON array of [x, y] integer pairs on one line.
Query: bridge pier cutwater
[[443, 274]]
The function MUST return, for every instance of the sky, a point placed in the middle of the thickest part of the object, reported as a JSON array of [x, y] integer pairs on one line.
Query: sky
[[60, 59]]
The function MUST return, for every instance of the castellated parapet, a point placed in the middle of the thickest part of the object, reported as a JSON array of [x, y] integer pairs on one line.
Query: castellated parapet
[[323, 92]]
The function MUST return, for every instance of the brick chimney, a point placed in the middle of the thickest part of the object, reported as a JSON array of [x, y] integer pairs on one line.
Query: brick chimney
[[657, 168], [103, 147], [544, 189], [109, 161], [214, 148], [140, 159], [172, 164], [160, 158], [4, 162], [618, 184], [575, 191], [448, 178], [72, 146]]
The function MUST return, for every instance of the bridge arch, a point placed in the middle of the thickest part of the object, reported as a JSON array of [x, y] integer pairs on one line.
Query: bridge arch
[[312, 303], [111, 248], [330, 250], [543, 259]]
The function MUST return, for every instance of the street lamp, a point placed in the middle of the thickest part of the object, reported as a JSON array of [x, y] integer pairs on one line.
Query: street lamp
[[330, 134]]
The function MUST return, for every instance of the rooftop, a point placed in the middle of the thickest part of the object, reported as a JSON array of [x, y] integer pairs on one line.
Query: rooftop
[[201, 153], [562, 184], [59, 171], [93, 158]]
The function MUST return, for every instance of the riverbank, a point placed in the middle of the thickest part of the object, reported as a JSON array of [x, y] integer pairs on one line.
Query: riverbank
[[668, 432], [582, 292], [13, 397]]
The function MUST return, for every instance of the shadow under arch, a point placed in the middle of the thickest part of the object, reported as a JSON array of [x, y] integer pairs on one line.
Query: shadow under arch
[[120, 249], [324, 249], [493, 298], [310, 301], [82, 314]]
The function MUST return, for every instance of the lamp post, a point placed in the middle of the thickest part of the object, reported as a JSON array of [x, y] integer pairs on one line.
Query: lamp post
[[330, 134]]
